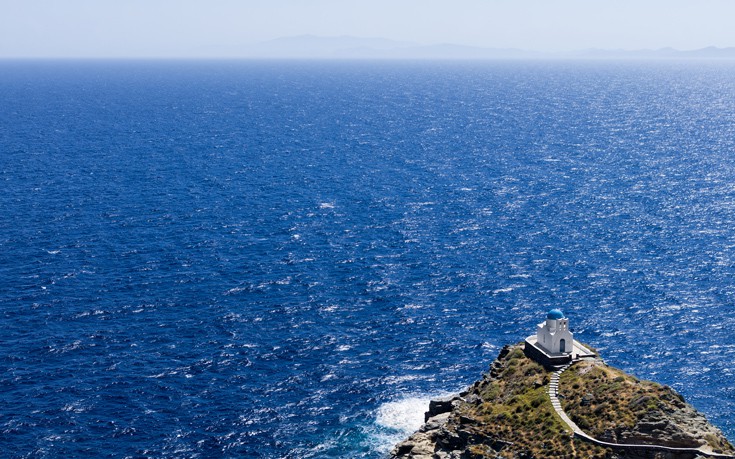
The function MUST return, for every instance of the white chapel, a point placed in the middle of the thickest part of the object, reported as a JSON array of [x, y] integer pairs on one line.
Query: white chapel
[[553, 344], [554, 335]]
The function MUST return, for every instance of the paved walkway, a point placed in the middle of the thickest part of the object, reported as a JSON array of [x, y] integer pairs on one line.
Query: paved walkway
[[553, 395], [579, 433]]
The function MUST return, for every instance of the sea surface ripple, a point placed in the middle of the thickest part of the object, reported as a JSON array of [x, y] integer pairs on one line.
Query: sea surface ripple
[[285, 259]]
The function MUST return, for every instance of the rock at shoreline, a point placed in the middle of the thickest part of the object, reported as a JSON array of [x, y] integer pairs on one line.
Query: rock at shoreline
[[508, 414]]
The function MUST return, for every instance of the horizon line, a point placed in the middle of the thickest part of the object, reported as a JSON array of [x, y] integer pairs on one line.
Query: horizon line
[[350, 47]]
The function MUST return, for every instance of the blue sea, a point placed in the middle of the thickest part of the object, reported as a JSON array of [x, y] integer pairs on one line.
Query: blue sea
[[288, 259]]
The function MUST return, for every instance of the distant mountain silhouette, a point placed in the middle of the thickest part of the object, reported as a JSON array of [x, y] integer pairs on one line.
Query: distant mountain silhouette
[[710, 52], [348, 47], [310, 46]]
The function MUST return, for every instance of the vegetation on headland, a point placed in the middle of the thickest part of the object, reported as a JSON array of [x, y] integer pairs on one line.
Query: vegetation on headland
[[515, 407], [613, 406], [508, 414]]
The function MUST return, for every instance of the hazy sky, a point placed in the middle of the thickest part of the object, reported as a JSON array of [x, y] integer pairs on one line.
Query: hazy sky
[[192, 28]]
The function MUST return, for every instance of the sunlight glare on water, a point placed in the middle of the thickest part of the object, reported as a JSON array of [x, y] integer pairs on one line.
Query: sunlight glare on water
[[262, 259]]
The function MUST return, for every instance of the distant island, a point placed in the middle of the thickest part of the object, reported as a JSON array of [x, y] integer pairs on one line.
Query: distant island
[[573, 406], [348, 47]]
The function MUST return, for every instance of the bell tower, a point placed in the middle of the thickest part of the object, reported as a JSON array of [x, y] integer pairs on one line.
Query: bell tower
[[554, 335]]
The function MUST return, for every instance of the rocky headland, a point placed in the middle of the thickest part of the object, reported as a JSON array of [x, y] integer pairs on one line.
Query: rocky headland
[[509, 414]]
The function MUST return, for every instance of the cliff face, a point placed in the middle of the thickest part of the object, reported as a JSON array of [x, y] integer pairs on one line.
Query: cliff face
[[508, 414]]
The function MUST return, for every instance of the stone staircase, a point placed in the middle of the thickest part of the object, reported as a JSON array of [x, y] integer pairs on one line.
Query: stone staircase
[[554, 397]]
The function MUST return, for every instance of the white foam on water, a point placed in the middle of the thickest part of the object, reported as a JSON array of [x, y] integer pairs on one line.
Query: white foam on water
[[405, 415], [397, 419]]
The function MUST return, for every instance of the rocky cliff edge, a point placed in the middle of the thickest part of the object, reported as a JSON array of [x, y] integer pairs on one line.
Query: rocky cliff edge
[[507, 414]]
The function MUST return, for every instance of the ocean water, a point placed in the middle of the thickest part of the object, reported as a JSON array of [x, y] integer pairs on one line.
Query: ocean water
[[287, 259]]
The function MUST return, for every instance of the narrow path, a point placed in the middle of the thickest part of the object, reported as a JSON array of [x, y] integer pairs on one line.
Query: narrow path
[[554, 397]]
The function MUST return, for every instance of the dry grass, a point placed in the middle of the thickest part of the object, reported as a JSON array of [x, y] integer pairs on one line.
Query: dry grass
[[516, 408], [606, 402]]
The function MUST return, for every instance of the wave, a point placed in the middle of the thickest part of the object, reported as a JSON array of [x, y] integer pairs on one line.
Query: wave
[[397, 419]]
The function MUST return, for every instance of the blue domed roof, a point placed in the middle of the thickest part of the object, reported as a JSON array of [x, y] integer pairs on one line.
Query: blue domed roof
[[555, 314]]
